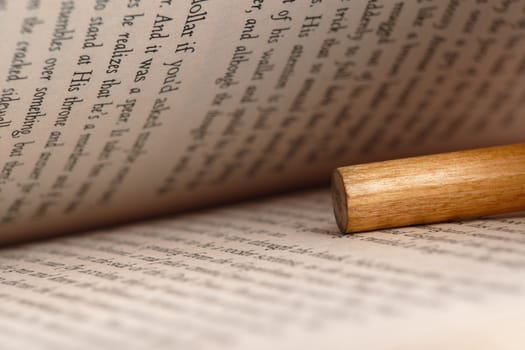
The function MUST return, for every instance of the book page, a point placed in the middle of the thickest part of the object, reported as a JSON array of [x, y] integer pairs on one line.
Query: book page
[[111, 110], [270, 274]]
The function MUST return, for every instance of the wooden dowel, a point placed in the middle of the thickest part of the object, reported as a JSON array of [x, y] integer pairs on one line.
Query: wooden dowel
[[429, 189]]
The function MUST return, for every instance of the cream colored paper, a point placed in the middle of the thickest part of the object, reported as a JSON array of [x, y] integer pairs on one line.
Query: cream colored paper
[[268, 274], [116, 110]]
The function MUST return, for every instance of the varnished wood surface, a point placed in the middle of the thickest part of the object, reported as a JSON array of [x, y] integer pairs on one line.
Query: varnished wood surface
[[429, 189]]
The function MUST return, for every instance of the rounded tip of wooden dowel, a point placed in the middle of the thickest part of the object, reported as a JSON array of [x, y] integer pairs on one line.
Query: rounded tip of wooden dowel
[[339, 201]]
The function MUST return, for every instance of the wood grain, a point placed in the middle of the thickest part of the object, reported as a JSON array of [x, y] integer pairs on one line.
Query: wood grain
[[429, 189]]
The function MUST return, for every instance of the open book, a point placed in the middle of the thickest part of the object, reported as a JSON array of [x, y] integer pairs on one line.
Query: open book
[[115, 111]]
